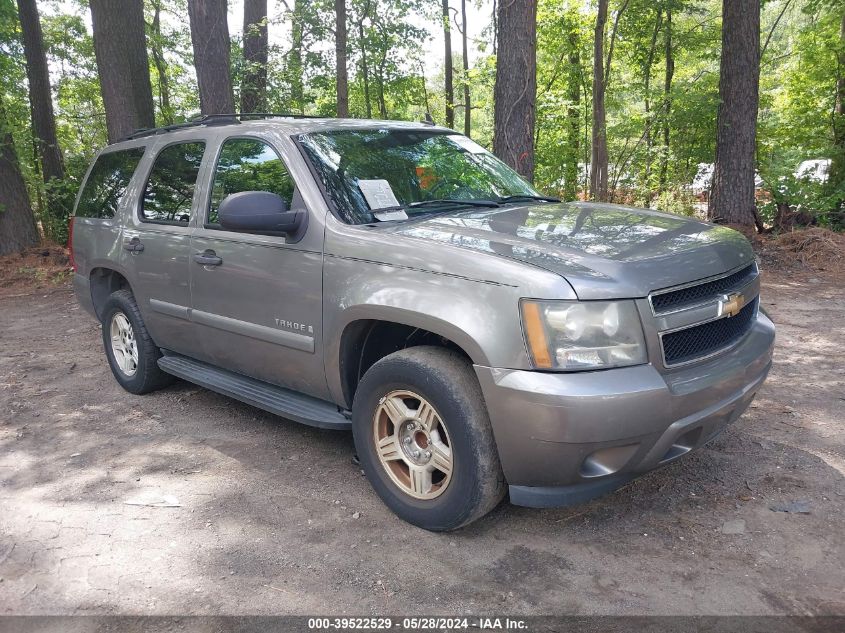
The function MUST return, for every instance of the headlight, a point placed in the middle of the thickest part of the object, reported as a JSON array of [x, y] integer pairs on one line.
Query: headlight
[[573, 335]]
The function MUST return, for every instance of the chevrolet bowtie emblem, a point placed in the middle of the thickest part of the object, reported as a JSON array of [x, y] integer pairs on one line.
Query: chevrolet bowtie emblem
[[731, 304]]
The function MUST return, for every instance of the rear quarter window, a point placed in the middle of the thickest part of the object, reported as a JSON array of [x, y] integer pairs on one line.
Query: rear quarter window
[[107, 182]]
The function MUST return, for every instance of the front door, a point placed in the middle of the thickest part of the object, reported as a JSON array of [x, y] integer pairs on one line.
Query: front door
[[257, 299], [156, 247]]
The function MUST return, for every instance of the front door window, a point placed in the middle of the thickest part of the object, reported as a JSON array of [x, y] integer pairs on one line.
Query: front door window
[[247, 164]]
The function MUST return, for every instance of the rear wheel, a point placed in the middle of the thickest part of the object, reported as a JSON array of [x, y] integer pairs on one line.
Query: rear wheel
[[424, 439], [132, 354]]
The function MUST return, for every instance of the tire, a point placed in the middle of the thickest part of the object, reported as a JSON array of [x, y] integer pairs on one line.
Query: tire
[[141, 374], [466, 481]]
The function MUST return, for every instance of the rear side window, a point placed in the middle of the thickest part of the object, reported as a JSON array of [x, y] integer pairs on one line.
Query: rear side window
[[247, 164], [170, 187], [107, 183]]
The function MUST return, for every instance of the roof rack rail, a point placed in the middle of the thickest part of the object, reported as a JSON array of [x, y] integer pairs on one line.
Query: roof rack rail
[[215, 119], [285, 115]]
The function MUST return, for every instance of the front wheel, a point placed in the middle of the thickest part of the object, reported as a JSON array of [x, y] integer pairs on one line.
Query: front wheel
[[424, 438]]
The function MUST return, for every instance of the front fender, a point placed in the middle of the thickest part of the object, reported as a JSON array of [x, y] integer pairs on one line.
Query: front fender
[[482, 318]]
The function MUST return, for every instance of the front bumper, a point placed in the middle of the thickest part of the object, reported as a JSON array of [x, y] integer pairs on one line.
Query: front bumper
[[566, 438]]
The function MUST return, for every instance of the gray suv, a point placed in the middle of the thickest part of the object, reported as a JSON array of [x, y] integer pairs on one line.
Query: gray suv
[[398, 280]]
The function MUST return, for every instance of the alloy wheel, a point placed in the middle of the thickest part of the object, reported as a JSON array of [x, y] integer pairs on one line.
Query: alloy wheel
[[124, 347], [412, 444]]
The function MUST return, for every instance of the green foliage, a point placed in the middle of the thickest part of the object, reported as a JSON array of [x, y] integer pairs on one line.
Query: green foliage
[[798, 83], [404, 80], [563, 78]]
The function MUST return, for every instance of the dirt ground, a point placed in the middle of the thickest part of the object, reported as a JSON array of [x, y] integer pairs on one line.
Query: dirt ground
[[270, 517]]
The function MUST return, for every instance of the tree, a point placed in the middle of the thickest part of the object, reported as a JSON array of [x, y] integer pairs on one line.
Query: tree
[[573, 115], [120, 46], [295, 70], [837, 167], [157, 51], [598, 158], [342, 80], [40, 97], [601, 79], [447, 66], [386, 47], [17, 224], [649, 120], [659, 78], [557, 138], [515, 89], [254, 81], [381, 66], [465, 60], [732, 197], [667, 100], [362, 44], [210, 39]]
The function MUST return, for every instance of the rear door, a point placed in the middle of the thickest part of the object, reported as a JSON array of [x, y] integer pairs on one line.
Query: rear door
[[258, 310], [156, 244], [109, 186]]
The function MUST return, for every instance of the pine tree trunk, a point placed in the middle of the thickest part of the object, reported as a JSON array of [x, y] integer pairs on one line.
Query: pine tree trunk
[[254, 82], [120, 45], [342, 77], [598, 158], [515, 91], [17, 224], [157, 53], [447, 66], [465, 46], [40, 96], [732, 196], [210, 39], [667, 102]]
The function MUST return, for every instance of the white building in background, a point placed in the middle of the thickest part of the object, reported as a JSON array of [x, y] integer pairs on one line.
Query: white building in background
[[815, 170], [704, 178]]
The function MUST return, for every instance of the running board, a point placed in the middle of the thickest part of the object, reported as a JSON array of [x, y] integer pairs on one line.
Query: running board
[[283, 402]]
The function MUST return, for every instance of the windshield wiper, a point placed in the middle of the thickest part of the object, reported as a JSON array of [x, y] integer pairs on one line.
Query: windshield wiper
[[520, 197], [424, 204], [452, 201]]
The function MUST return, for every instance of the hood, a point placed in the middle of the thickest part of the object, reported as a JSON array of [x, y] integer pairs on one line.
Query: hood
[[604, 251]]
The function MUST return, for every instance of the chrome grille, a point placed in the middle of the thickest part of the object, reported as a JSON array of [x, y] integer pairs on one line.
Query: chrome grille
[[708, 338], [681, 298]]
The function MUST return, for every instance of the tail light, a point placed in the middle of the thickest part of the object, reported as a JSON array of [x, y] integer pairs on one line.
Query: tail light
[[70, 243]]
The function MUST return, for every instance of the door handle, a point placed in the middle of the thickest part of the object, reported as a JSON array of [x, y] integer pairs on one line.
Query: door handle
[[208, 258], [133, 246]]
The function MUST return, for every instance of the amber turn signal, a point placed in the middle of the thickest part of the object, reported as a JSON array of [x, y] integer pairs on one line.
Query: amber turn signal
[[535, 333]]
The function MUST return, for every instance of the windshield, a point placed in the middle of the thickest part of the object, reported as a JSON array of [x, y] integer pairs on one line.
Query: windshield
[[364, 171]]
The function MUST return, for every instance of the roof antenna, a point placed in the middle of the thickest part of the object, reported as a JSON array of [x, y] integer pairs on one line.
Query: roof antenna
[[428, 120]]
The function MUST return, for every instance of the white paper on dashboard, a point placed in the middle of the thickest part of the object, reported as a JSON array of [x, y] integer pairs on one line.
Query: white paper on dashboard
[[378, 194], [387, 216], [467, 143]]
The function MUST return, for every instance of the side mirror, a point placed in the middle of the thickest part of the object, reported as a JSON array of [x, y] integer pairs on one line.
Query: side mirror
[[261, 212]]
